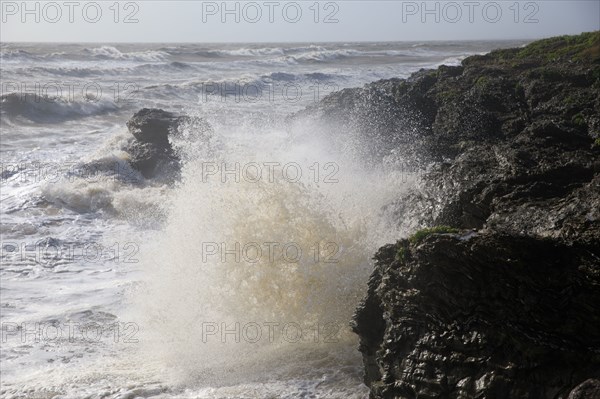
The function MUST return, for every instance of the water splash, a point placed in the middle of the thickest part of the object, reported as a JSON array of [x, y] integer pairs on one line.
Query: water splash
[[258, 271]]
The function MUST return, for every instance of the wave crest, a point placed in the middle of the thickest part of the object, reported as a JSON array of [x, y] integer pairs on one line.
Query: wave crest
[[42, 108], [112, 53]]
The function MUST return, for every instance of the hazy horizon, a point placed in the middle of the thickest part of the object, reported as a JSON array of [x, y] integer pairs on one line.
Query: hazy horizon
[[290, 42], [293, 21]]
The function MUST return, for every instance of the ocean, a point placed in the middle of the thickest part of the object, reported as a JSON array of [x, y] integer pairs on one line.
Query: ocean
[[238, 280]]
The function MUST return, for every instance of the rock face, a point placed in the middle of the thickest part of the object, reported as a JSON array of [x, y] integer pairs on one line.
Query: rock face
[[150, 150], [481, 315], [589, 389], [509, 144]]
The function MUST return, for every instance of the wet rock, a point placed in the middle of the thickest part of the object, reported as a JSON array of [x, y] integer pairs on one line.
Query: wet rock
[[153, 126], [508, 143], [589, 389], [150, 150], [480, 315], [152, 160], [435, 114]]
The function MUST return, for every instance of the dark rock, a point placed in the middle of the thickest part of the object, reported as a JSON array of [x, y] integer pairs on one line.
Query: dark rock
[[152, 160], [589, 389], [150, 151], [151, 125], [480, 316], [507, 142], [509, 146]]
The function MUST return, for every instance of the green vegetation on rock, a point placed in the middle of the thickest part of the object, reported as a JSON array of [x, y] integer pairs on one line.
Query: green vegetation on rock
[[584, 46], [417, 237], [401, 254], [579, 120], [423, 233], [482, 81]]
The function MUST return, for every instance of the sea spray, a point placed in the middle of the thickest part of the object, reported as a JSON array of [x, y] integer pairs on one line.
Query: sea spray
[[259, 269]]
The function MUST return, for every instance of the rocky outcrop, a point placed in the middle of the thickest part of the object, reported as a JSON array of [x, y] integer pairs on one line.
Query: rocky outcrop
[[435, 115], [150, 150], [509, 148], [589, 389], [481, 315]]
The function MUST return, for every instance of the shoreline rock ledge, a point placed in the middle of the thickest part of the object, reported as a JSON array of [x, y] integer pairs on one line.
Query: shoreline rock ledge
[[496, 294]]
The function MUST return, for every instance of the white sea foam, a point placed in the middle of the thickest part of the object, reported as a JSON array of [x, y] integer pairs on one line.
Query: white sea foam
[[109, 52]]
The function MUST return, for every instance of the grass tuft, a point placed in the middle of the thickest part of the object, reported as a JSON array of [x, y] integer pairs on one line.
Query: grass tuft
[[423, 233]]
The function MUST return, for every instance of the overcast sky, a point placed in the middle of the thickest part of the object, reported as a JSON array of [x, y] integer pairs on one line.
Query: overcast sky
[[292, 21]]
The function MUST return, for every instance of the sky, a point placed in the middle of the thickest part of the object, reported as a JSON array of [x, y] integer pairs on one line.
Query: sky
[[291, 21]]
